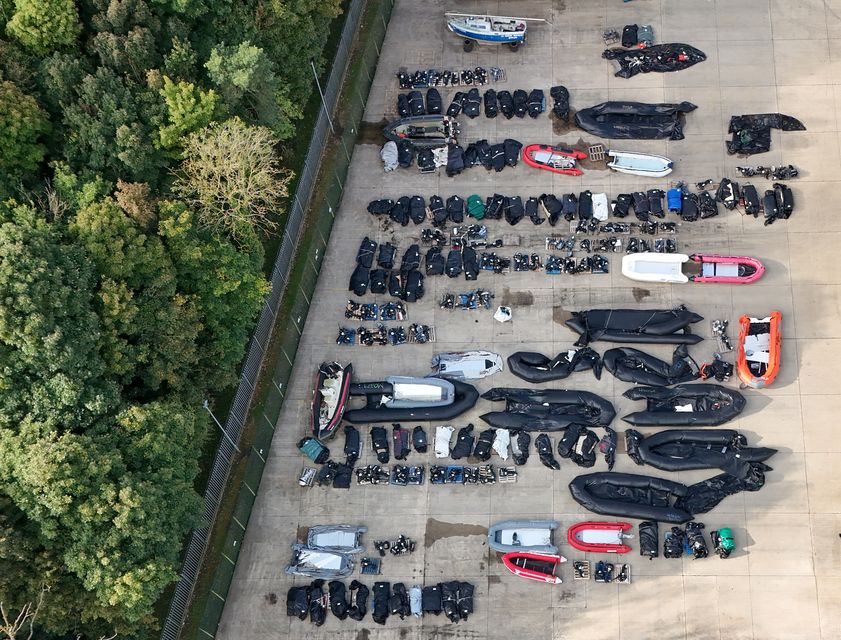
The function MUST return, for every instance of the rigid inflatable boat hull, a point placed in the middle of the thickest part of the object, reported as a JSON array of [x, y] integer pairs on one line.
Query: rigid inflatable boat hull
[[598, 537], [758, 357], [534, 566]]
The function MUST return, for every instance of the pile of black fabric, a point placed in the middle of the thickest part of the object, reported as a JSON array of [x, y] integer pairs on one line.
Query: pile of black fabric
[[752, 133], [547, 409], [398, 603], [380, 604], [778, 203], [482, 451], [298, 602], [535, 367], [520, 443], [673, 543], [649, 539], [464, 443], [318, 603], [560, 99], [544, 450], [338, 599], [633, 365], [456, 600], [364, 259], [412, 103], [496, 157], [695, 540], [685, 449], [661, 58], [623, 120], [578, 444], [358, 601], [699, 405]]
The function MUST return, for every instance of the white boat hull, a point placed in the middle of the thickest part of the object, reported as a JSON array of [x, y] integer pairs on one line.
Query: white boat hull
[[655, 267], [639, 164]]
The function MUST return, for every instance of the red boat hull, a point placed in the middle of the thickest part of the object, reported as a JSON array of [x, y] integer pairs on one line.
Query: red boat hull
[[753, 263], [577, 530], [528, 158], [534, 566]]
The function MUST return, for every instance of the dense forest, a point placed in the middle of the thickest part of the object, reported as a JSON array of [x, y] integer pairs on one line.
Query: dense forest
[[141, 169]]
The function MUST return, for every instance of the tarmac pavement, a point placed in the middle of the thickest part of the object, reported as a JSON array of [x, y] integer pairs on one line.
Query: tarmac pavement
[[784, 580]]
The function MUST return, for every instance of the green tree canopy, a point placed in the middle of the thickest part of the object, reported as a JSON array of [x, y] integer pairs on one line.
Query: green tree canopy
[[43, 26], [188, 110], [22, 123]]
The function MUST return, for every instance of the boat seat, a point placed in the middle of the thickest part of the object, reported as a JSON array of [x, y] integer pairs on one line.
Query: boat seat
[[757, 348]]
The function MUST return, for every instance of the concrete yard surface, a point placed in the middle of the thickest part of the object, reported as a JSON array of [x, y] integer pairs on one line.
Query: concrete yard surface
[[784, 580]]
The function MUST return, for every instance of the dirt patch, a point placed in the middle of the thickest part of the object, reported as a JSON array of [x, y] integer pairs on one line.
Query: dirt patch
[[271, 598], [437, 530], [639, 293], [301, 534], [560, 315], [371, 132], [560, 5], [567, 595], [560, 127], [363, 634], [494, 580], [517, 298]]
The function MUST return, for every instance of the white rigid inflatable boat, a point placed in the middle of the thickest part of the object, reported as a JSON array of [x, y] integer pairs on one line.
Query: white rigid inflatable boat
[[639, 164]]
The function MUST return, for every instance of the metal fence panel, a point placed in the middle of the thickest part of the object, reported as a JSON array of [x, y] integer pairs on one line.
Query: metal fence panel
[[321, 217]]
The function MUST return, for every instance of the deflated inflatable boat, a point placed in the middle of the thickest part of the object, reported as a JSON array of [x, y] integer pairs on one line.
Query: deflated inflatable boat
[[634, 120], [647, 498], [424, 131], [686, 449], [332, 385], [633, 365], [670, 326], [535, 367], [547, 409], [690, 405], [760, 346], [400, 398]]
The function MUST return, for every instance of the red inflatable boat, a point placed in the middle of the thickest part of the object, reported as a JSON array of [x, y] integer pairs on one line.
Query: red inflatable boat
[[727, 269], [534, 566], [556, 159], [602, 537]]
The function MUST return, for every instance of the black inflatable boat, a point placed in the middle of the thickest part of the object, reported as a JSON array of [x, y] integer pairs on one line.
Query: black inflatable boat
[[669, 326], [547, 409], [686, 449], [623, 120], [535, 367], [633, 365], [400, 398], [629, 495], [686, 405]]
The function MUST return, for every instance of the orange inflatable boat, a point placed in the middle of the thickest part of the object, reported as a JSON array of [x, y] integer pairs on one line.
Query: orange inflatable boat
[[760, 343]]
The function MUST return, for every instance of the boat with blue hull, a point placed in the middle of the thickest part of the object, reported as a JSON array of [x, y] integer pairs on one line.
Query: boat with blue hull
[[485, 29]]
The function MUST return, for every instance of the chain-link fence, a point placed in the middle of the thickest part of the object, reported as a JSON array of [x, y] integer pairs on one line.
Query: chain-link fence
[[259, 397]]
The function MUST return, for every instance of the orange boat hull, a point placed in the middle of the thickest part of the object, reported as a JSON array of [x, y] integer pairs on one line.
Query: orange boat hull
[[748, 376]]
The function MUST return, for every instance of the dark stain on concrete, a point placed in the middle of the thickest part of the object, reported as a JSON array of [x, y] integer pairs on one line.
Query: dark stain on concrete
[[494, 580], [560, 315], [517, 298], [560, 5], [437, 530], [371, 132], [271, 598], [567, 595], [639, 293], [363, 634], [302, 534]]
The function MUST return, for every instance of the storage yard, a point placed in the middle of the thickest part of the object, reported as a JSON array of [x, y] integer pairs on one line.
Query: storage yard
[[783, 578]]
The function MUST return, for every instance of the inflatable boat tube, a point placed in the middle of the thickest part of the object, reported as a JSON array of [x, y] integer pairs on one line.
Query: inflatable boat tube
[[534, 566], [670, 326], [760, 346], [686, 405], [547, 409], [622, 120], [535, 367], [385, 403], [687, 449], [633, 365], [599, 537]]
